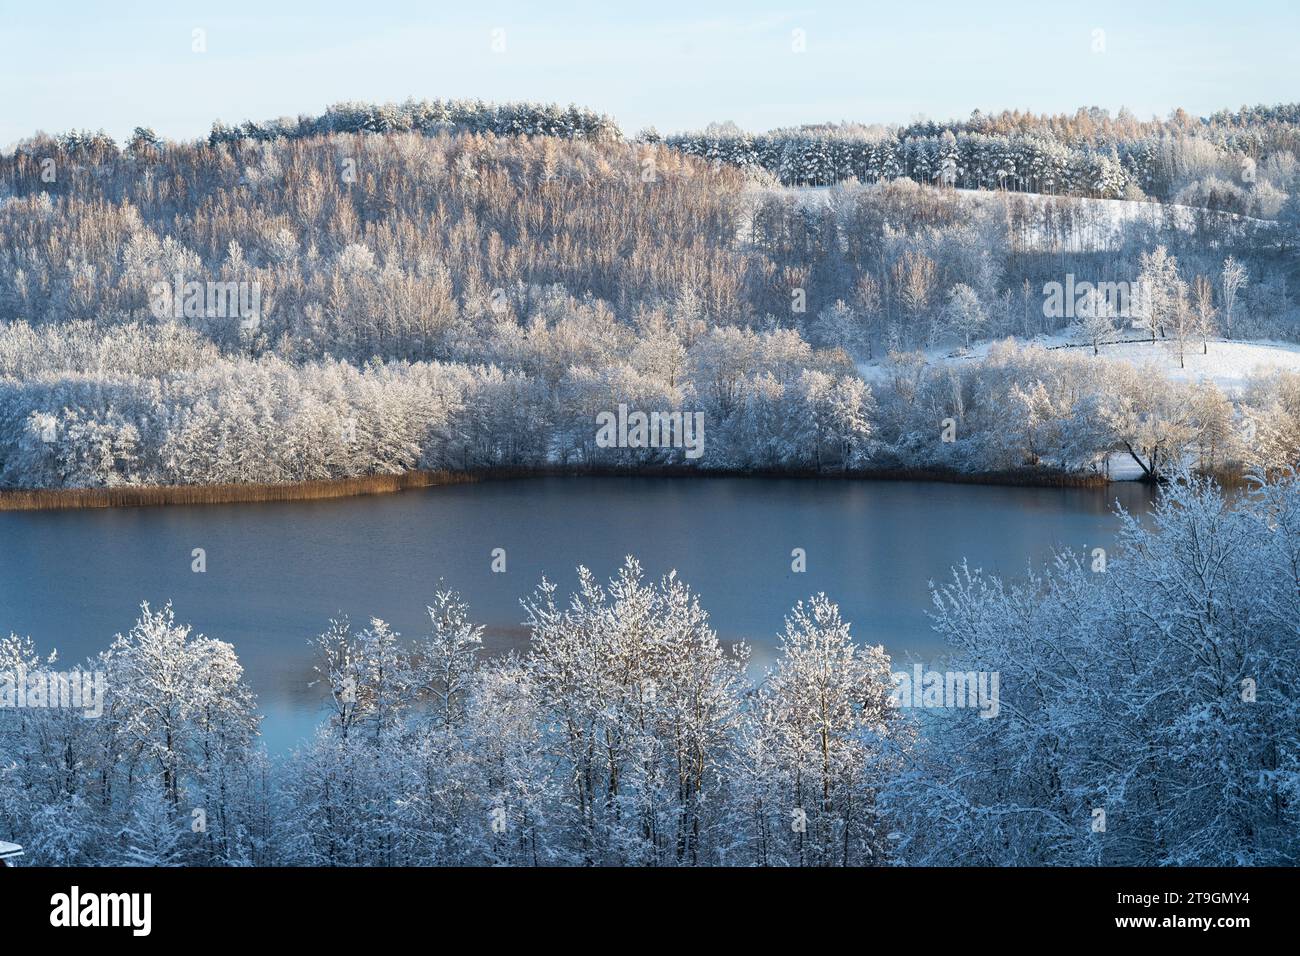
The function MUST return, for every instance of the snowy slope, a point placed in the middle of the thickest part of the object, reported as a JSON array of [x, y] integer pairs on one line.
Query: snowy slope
[[1227, 365], [1098, 223]]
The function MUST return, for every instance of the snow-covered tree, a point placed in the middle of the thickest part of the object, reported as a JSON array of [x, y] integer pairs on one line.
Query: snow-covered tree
[[1162, 292], [1231, 280], [825, 738], [963, 313], [1144, 715], [1096, 324]]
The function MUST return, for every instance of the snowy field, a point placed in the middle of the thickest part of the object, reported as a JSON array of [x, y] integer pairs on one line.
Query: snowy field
[[1227, 364]]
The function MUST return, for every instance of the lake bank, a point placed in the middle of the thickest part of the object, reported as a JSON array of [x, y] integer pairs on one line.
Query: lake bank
[[137, 496]]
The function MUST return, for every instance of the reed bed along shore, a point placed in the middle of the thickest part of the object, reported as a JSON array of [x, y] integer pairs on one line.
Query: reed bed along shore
[[131, 496], [134, 496]]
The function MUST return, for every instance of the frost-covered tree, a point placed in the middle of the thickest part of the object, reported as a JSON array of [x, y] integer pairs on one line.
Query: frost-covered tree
[[1233, 277], [1096, 324], [822, 741], [175, 699], [1145, 714], [446, 659], [1162, 292], [644, 701], [1204, 314], [963, 313], [838, 327], [155, 832]]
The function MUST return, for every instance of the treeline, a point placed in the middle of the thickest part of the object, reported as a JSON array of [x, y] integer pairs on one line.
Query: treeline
[[430, 116], [627, 735], [1255, 130], [158, 405], [1088, 153], [1171, 167], [419, 116], [151, 405], [965, 161]]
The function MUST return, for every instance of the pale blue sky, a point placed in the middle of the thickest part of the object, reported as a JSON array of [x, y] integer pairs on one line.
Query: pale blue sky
[[677, 65]]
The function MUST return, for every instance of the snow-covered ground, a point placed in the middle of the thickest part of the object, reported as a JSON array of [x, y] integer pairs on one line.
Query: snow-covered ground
[[1227, 364], [1099, 223]]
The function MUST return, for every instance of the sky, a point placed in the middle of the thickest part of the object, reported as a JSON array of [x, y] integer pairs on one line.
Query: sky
[[673, 65]]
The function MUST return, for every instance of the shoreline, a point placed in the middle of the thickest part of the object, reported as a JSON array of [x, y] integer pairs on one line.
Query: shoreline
[[141, 496]]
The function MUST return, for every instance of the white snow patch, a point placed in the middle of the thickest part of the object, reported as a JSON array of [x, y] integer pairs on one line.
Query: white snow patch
[[1227, 364]]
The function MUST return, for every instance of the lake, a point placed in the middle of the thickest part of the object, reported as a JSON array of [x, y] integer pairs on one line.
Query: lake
[[277, 572]]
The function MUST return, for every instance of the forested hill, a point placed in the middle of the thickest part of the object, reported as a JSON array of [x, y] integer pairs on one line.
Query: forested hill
[[459, 298], [1213, 160]]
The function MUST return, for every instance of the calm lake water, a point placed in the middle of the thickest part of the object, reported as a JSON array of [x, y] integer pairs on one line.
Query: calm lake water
[[277, 572]]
